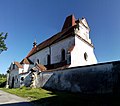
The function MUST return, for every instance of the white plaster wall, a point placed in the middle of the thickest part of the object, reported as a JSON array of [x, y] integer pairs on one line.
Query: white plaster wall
[[57, 47], [83, 32], [41, 55], [21, 70], [77, 55], [26, 67]]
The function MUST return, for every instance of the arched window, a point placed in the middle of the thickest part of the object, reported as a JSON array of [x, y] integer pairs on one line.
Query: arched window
[[48, 59], [85, 56], [38, 61], [63, 55]]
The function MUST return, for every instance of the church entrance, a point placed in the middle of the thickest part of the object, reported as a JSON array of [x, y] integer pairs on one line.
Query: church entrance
[[12, 86]]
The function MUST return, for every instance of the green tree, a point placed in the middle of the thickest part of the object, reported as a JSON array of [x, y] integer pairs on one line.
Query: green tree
[[2, 41]]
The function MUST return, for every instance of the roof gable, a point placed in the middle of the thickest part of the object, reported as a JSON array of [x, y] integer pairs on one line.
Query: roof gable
[[26, 61], [18, 64], [84, 22], [57, 37]]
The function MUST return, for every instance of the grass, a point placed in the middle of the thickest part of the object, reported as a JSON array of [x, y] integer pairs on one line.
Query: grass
[[30, 93], [43, 97]]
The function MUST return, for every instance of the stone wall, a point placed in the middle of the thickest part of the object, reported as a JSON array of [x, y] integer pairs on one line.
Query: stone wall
[[99, 78]]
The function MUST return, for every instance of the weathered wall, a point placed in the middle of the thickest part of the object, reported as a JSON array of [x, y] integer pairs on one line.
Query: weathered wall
[[14, 78], [26, 79], [54, 51], [100, 78], [41, 55], [57, 48]]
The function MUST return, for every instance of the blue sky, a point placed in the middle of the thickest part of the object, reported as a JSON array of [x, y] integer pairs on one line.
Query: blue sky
[[25, 20]]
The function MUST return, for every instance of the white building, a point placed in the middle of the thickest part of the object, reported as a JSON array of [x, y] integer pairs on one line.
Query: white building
[[70, 47]]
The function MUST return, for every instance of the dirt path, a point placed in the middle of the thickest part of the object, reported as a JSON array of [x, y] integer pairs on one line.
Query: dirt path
[[7, 99]]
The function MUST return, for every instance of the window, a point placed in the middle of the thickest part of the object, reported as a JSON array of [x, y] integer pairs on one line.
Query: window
[[85, 56], [63, 55], [48, 60], [68, 58], [22, 78], [38, 61]]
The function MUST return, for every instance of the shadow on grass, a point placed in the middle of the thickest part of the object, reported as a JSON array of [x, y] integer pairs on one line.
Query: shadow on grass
[[68, 99], [65, 99]]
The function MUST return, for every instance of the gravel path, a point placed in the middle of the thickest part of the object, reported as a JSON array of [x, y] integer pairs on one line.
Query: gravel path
[[7, 99]]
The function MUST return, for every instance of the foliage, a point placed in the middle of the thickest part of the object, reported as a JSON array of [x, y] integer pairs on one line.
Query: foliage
[[2, 82], [2, 41], [2, 75]]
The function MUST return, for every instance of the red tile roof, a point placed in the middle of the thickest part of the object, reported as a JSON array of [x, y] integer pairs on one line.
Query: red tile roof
[[71, 48], [26, 61], [32, 51], [18, 64], [39, 67], [59, 36], [70, 21], [67, 31]]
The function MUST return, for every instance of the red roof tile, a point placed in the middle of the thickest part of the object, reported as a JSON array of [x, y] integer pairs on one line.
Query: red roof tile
[[59, 36], [26, 61], [39, 67], [67, 30], [18, 64]]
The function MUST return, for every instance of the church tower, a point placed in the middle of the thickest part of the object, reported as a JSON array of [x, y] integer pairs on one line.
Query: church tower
[[83, 52]]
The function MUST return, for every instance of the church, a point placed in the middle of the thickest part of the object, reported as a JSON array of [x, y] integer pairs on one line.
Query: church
[[71, 47]]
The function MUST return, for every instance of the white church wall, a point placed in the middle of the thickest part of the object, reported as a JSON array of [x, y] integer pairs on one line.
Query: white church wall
[[26, 67], [57, 48], [21, 70], [41, 55], [77, 55]]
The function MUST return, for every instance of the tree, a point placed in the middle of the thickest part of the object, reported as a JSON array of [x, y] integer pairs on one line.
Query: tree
[[2, 41]]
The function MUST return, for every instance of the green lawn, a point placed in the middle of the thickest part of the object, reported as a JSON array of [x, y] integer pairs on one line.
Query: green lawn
[[30, 93], [43, 97]]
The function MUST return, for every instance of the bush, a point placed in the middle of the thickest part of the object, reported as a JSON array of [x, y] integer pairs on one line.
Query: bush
[[2, 82]]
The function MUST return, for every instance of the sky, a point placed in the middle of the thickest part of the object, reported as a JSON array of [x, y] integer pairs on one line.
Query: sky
[[27, 20]]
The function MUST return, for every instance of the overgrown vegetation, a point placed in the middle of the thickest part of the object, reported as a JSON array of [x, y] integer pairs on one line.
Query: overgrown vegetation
[[2, 41], [2, 80]]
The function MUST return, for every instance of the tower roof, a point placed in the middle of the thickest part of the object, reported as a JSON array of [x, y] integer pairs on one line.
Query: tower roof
[[69, 21]]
